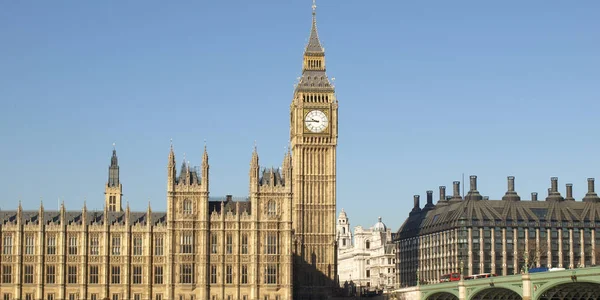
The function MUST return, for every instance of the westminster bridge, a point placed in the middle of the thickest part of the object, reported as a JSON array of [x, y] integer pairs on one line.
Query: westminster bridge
[[571, 284]]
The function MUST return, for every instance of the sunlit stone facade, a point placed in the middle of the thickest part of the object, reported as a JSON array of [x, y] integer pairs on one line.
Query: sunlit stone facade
[[277, 243]]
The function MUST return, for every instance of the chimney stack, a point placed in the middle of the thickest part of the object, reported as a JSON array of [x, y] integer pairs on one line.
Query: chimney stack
[[429, 204], [456, 195], [510, 194], [554, 186], [473, 194], [473, 179], [591, 195], [534, 196], [416, 205], [553, 194], [570, 192], [442, 193], [416, 201]]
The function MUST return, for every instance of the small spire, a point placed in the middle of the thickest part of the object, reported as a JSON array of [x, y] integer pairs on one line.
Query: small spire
[[114, 148], [205, 155], [314, 7], [171, 155]]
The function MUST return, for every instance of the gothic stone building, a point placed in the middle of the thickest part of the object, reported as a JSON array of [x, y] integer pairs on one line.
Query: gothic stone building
[[476, 235], [278, 243]]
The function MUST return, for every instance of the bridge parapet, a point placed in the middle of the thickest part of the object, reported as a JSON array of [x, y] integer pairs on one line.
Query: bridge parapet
[[527, 286]]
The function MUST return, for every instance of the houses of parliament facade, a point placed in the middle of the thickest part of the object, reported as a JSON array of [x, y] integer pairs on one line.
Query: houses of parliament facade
[[278, 243]]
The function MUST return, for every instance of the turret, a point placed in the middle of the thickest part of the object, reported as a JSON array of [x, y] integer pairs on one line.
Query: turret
[[254, 171], [149, 216], [84, 214], [41, 214], [113, 190], [63, 213], [127, 215], [344, 235], [510, 194], [171, 170], [287, 168], [205, 168]]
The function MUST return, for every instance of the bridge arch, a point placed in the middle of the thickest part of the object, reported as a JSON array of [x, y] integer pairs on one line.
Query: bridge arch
[[570, 290], [442, 296], [496, 293]]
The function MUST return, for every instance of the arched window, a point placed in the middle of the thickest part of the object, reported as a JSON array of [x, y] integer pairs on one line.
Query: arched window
[[343, 230], [367, 244], [271, 208], [187, 206]]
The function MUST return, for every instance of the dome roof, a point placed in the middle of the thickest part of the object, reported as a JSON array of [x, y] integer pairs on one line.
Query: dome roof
[[342, 215], [379, 226]]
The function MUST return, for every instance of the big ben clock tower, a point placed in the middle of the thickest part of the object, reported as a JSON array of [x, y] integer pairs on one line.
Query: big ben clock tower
[[313, 140]]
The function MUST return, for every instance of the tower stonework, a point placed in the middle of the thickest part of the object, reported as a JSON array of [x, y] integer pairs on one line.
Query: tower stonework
[[278, 242], [113, 190], [313, 140]]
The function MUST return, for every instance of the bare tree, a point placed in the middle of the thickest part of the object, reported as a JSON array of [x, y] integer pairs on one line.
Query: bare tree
[[535, 255]]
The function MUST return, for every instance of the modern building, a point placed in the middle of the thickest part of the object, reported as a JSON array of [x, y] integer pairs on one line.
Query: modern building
[[474, 235], [278, 242], [367, 258]]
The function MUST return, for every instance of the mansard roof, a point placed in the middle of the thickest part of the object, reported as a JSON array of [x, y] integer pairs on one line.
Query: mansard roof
[[449, 214], [498, 213]]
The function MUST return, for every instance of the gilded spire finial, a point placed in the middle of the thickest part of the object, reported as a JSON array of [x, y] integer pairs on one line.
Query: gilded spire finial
[[114, 146], [171, 143]]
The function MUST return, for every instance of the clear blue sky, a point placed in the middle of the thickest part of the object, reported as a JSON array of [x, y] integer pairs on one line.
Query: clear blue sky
[[427, 91]]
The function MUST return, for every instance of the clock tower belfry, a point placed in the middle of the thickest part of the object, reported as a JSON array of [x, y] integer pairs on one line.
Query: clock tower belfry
[[313, 141]]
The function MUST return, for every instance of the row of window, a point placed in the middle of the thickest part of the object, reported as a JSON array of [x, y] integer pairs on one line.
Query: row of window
[[187, 275], [29, 296], [186, 245], [73, 245]]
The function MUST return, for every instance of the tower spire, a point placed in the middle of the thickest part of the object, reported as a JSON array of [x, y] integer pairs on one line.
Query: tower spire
[[113, 169], [314, 45], [314, 78]]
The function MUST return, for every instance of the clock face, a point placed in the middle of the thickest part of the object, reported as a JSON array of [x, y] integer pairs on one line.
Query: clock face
[[316, 121]]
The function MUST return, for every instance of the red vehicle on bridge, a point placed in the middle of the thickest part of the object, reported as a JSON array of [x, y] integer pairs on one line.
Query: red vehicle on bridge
[[450, 277]]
